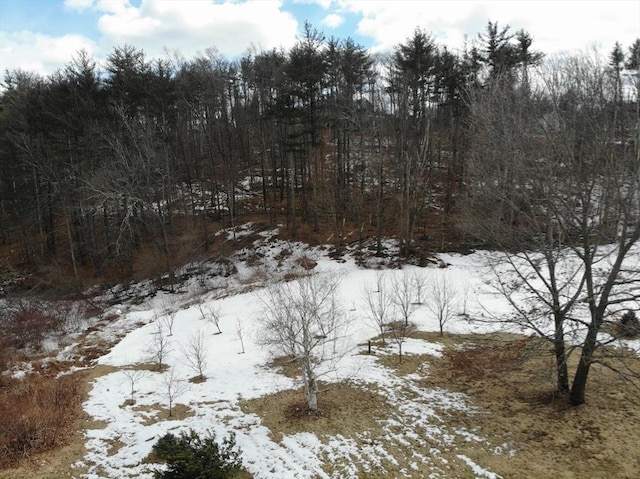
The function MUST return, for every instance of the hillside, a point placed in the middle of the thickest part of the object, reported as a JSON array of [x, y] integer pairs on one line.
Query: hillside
[[471, 403]]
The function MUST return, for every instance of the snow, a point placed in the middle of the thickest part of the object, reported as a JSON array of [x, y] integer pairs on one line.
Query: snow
[[118, 449], [477, 470]]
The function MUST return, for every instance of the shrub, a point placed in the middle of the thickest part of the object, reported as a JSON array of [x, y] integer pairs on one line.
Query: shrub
[[27, 324], [629, 324], [189, 456], [37, 414]]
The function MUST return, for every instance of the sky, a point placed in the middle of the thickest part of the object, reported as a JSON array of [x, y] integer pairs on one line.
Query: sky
[[42, 36]]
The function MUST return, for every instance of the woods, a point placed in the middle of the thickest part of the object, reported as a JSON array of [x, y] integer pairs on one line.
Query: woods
[[100, 161]]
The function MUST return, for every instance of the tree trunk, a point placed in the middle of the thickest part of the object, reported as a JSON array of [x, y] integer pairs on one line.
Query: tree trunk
[[561, 367], [561, 355], [311, 386], [579, 386]]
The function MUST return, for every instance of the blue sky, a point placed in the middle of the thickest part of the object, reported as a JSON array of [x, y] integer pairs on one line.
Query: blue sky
[[43, 35]]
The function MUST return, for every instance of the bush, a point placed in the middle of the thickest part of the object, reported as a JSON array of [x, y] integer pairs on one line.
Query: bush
[[189, 456], [629, 325], [27, 324], [37, 414]]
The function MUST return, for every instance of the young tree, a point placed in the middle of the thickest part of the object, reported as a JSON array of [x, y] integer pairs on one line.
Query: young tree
[[189, 455], [172, 388], [442, 299], [212, 314], [133, 376], [398, 330], [240, 334], [419, 282], [195, 354], [168, 317], [402, 295], [303, 318], [159, 346], [379, 304]]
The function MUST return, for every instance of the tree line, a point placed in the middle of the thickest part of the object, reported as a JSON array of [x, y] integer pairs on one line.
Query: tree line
[[97, 163]]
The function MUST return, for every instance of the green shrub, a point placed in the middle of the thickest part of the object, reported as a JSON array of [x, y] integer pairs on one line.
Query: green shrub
[[189, 456], [629, 324]]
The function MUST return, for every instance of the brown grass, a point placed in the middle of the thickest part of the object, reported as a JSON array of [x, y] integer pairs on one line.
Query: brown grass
[[159, 412], [515, 385], [344, 408]]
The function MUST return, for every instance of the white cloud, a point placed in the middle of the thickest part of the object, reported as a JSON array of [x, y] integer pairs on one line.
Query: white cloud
[[325, 4], [194, 25], [78, 5], [333, 20], [39, 53], [555, 25]]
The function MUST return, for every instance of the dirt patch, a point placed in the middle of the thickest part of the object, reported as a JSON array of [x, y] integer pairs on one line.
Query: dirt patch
[[343, 409], [158, 412], [285, 365]]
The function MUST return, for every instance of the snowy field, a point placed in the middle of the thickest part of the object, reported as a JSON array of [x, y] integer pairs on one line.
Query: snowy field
[[118, 449]]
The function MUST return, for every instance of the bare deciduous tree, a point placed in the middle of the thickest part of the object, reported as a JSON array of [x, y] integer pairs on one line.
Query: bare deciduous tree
[[172, 388], [402, 295], [378, 304], [557, 177], [133, 376], [304, 319], [211, 313], [159, 346], [240, 334], [399, 330], [195, 354], [442, 299], [419, 283]]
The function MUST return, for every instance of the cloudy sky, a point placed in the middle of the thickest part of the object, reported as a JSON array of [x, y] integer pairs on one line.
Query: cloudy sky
[[43, 35]]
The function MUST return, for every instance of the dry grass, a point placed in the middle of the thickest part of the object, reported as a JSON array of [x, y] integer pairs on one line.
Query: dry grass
[[344, 408], [159, 412], [58, 463], [515, 385]]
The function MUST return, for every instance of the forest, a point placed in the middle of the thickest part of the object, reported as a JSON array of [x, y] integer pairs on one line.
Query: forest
[[129, 168]]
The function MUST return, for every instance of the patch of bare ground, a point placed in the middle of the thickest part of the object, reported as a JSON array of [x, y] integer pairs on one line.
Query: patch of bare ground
[[343, 408], [534, 432], [157, 412], [65, 460]]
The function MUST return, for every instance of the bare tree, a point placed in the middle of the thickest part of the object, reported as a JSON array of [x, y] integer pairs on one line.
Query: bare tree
[[172, 388], [212, 314], [195, 354], [419, 283], [464, 297], [133, 376], [240, 333], [304, 319], [561, 196], [159, 346], [399, 330], [379, 304], [168, 316], [402, 295], [442, 299]]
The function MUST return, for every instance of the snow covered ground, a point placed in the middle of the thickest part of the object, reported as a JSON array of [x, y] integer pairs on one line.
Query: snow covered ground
[[118, 449]]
